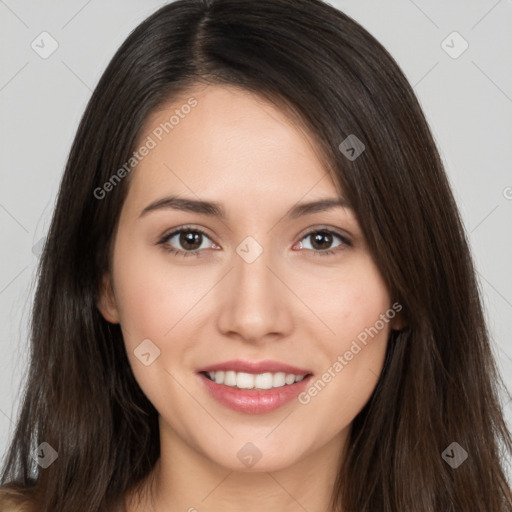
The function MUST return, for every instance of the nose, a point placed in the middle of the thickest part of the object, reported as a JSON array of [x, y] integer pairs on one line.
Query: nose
[[254, 303]]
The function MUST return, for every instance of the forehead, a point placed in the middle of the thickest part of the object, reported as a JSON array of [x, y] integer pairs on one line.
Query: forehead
[[231, 144]]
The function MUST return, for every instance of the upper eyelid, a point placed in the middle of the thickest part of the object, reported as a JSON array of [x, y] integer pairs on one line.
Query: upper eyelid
[[335, 231]]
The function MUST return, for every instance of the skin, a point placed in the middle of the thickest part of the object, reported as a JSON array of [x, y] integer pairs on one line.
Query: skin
[[289, 305]]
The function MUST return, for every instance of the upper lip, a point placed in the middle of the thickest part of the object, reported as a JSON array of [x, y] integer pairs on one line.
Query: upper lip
[[255, 367]]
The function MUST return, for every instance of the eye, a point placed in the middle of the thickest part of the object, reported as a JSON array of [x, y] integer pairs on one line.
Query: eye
[[189, 238], [322, 240]]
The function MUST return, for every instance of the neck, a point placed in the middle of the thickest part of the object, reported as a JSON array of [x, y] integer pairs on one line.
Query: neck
[[185, 480]]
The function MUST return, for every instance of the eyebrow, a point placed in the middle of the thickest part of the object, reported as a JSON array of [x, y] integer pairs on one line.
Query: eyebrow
[[215, 209]]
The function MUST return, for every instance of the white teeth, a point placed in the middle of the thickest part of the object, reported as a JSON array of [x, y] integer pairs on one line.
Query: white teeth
[[279, 379], [289, 379], [229, 378], [244, 380], [261, 381]]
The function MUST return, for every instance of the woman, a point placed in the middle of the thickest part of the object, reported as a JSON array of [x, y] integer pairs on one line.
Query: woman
[[256, 277]]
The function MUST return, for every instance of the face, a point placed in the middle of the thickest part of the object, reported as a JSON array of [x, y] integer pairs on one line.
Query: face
[[196, 292]]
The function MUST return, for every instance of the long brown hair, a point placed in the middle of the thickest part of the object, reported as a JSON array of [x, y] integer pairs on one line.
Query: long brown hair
[[439, 384]]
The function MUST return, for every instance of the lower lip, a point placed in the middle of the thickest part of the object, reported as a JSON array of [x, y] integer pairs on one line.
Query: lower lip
[[252, 401]]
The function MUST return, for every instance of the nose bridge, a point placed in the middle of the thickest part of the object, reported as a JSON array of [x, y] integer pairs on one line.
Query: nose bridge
[[252, 268], [256, 284], [255, 305]]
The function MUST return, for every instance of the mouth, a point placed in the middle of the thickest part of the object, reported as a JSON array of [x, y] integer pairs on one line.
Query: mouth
[[254, 388], [259, 381]]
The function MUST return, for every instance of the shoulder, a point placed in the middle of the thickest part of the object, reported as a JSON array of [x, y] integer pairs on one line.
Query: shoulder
[[15, 500]]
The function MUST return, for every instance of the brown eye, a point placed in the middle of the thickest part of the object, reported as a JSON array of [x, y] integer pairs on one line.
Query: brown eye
[[184, 241], [190, 240], [321, 241]]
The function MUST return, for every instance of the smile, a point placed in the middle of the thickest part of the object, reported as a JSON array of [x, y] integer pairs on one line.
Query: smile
[[242, 380], [254, 387]]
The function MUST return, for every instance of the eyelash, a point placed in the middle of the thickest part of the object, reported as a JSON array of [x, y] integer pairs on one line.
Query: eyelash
[[179, 252]]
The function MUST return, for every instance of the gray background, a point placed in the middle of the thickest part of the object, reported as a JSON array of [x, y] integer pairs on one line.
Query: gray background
[[467, 100]]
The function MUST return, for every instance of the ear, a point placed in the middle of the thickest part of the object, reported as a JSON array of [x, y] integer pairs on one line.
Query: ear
[[398, 322], [106, 300]]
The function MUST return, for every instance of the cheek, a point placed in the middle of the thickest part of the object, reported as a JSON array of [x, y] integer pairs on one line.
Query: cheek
[[365, 331], [156, 303], [153, 296], [352, 303], [356, 313], [162, 302]]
